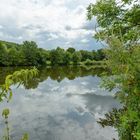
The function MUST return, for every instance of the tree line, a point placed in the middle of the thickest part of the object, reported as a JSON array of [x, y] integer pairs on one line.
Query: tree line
[[28, 54]]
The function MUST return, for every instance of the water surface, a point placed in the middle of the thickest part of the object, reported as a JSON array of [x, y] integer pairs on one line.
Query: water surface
[[62, 103]]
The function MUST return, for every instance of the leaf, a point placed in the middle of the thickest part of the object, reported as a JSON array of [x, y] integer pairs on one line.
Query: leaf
[[10, 96], [5, 113], [25, 137]]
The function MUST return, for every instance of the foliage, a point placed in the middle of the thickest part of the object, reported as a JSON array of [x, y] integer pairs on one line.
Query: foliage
[[5, 113], [67, 58], [28, 54], [57, 56], [29, 50], [25, 137], [71, 50], [88, 62], [18, 77], [119, 25], [76, 57]]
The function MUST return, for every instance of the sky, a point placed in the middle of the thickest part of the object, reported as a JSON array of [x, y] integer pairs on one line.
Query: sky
[[50, 23]]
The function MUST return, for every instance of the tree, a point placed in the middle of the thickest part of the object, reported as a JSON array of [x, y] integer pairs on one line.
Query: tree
[[3, 55], [86, 55], [60, 55], [71, 50], [30, 53], [56, 56], [53, 57], [13, 56], [117, 19], [67, 58], [77, 57], [42, 56], [100, 55], [119, 28]]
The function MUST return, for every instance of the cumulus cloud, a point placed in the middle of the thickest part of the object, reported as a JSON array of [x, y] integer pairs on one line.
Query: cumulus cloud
[[84, 40], [49, 23]]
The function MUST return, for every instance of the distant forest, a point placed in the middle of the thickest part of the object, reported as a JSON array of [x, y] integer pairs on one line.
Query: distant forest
[[28, 54]]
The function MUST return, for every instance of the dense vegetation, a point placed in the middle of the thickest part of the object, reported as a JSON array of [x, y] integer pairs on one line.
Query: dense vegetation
[[119, 27], [28, 54]]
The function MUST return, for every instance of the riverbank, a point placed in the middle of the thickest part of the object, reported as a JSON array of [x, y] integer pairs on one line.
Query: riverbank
[[91, 63]]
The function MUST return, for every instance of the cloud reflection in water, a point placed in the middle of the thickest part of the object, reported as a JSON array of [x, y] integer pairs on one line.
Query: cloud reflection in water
[[66, 110]]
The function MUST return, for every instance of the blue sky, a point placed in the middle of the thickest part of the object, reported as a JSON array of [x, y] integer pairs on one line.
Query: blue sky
[[50, 23]]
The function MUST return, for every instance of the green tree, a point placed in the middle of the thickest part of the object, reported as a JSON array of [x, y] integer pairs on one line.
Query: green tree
[[100, 55], [71, 50], [56, 56], [30, 53], [86, 55], [67, 58], [3, 55], [13, 56], [76, 57], [120, 28], [42, 56]]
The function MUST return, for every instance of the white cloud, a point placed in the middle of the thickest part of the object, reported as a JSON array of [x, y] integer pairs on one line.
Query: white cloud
[[52, 36], [1, 26], [84, 40], [59, 20]]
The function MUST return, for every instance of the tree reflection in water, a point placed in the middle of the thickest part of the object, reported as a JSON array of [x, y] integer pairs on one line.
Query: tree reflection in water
[[57, 73]]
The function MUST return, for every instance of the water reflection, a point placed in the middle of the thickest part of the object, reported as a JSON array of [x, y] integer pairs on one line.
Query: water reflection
[[55, 107], [55, 73]]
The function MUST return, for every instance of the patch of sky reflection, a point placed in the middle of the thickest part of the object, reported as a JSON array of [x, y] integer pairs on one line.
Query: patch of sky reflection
[[66, 110]]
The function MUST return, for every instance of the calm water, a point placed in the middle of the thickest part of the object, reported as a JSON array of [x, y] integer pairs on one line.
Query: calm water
[[62, 103]]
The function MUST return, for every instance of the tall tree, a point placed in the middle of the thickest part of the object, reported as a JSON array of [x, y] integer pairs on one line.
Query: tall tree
[[77, 57], [13, 56], [67, 58], [71, 50], [30, 53], [3, 55], [119, 27]]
